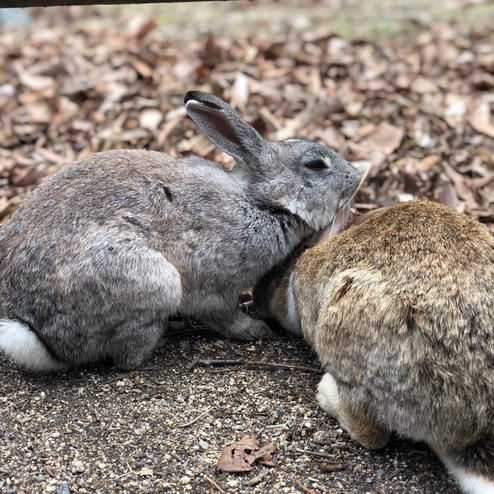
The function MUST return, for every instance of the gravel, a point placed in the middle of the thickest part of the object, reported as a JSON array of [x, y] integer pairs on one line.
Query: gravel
[[161, 428]]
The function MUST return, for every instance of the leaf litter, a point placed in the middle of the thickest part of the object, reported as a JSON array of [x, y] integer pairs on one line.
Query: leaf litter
[[419, 113]]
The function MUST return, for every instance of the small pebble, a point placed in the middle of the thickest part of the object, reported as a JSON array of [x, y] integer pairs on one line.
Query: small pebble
[[63, 488], [322, 437], [39, 478], [78, 466], [203, 444]]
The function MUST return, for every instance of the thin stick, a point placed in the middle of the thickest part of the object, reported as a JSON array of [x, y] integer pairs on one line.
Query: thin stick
[[305, 489], [284, 366], [212, 482], [313, 453], [251, 363], [213, 363], [196, 419]]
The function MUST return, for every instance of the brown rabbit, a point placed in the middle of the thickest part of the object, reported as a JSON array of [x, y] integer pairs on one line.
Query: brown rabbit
[[400, 310]]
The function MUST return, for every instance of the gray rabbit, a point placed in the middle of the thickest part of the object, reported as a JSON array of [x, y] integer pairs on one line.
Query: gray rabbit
[[97, 258], [400, 310]]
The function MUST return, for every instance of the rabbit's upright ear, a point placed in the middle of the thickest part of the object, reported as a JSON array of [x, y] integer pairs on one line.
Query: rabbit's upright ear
[[224, 127]]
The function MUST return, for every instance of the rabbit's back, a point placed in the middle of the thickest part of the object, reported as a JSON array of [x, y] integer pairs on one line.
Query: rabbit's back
[[108, 237], [403, 310]]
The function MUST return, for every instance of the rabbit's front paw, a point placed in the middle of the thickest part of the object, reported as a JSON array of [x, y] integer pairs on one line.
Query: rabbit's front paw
[[255, 330], [328, 396], [240, 326]]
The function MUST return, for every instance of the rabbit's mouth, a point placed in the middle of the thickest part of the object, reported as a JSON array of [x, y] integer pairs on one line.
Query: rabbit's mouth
[[344, 215], [340, 221]]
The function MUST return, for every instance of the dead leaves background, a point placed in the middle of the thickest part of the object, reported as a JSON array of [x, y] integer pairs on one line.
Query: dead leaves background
[[418, 111]]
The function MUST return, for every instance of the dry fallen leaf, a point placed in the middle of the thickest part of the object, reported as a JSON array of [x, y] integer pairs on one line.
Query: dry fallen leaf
[[379, 144], [150, 118], [480, 119], [407, 107], [240, 455]]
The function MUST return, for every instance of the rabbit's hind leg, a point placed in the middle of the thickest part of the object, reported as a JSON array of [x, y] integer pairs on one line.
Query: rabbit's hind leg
[[151, 293], [134, 345], [220, 312], [357, 423]]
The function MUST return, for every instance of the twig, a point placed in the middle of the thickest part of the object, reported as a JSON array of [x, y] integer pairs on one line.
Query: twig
[[305, 489], [213, 363], [213, 483], [251, 363], [313, 453], [196, 419], [284, 366]]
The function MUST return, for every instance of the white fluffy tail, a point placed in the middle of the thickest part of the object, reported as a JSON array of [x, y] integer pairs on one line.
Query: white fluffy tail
[[20, 344], [471, 483]]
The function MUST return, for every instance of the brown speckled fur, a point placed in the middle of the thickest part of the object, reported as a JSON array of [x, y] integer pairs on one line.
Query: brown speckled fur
[[400, 309]]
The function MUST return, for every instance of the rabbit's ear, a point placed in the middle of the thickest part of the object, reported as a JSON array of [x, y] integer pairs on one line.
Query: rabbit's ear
[[224, 127]]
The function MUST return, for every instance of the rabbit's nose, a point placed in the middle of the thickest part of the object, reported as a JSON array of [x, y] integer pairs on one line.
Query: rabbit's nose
[[353, 179]]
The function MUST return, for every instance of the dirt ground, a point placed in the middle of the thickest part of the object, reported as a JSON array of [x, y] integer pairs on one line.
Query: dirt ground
[[161, 428]]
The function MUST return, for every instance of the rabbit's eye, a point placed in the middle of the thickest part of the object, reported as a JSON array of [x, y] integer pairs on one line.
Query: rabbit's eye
[[316, 165]]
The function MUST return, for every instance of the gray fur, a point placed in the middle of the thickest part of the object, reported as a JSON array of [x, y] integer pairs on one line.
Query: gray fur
[[400, 310], [97, 258]]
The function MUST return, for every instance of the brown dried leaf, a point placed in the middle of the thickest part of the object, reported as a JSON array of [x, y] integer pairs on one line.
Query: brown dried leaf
[[422, 85], [480, 119], [142, 68], [448, 196], [35, 82], [242, 454], [22, 177], [39, 112], [380, 143], [461, 183], [429, 163], [150, 119], [386, 138], [264, 455], [142, 27]]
